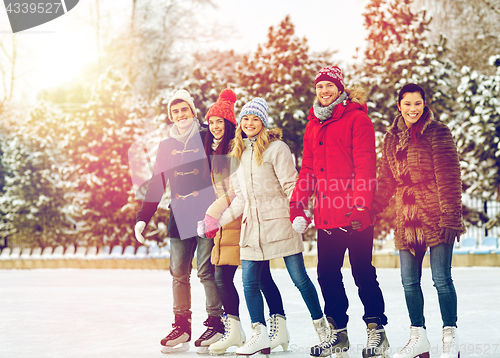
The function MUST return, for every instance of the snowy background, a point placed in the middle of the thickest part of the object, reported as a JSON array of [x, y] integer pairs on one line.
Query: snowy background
[[124, 313]]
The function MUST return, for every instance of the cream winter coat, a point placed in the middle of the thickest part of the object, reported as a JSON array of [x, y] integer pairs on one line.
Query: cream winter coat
[[262, 195]]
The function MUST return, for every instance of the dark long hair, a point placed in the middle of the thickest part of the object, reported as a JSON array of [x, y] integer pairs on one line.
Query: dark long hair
[[219, 160], [416, 128]]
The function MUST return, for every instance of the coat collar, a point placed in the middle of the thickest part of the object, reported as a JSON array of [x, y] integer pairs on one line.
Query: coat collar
[[355, 100], [274, 135]]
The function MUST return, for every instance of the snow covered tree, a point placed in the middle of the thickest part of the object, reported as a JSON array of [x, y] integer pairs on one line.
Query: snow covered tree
[[98, 141], [477, 129], [34, 206], [472, 29], [398, 52], [282, 72]]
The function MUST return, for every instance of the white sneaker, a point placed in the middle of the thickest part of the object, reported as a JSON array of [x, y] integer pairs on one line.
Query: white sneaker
[[233, 335], [417, 346], [450, 343], [259, 342], [278, 332]]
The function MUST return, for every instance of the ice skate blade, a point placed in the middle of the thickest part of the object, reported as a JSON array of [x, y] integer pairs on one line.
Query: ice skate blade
[[183, 347], [203, 350], [333, 355], [222, 354], [383, 355], [288, 351]]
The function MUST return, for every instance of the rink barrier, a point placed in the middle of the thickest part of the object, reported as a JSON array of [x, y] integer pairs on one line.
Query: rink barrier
[[156, 259]]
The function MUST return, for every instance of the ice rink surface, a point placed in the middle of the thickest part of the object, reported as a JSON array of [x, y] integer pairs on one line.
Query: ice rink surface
[[73, 313]]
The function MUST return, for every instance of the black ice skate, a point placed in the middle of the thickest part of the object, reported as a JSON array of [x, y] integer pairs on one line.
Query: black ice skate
[[377, 345], [336, 343], [215, 331], [177, 340]]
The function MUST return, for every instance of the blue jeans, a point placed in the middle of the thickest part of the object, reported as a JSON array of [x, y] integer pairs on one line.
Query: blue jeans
[[257, 277], [181, 258], [411, 274]]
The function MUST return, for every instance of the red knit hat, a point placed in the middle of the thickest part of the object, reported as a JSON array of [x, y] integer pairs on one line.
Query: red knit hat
[[224, 107], [332, 74]]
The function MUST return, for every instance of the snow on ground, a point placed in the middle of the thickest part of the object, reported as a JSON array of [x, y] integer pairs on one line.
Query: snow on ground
[[124, 313]]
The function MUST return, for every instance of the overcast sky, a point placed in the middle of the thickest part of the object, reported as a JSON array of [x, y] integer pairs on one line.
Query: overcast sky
[[56, 52], [327, 24]]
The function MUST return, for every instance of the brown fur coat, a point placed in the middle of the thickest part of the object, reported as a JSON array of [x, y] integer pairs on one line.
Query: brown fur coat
[[425, 178]]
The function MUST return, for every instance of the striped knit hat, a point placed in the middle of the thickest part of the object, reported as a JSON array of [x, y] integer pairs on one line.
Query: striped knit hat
[[258, 107]]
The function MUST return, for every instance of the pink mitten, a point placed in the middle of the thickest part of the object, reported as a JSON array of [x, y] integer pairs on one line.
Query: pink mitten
[[211, 226]]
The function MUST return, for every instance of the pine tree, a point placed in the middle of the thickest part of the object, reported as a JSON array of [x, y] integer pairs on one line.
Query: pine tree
[[476, 126], [398, 52], [33, 204], [282, 72], [99, 138]]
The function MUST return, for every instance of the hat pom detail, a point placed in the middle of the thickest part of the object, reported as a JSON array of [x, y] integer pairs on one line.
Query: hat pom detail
[[228, 95]]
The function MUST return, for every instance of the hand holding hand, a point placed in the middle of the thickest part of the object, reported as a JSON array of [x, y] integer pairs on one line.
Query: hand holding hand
[[300, 224], [359, 219], [139, 228], [297, 210]]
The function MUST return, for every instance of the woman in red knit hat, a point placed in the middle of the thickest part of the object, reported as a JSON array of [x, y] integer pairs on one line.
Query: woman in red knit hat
[[226, 251]]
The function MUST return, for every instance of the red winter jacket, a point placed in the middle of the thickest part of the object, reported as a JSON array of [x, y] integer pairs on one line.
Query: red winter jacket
[[338, 163]]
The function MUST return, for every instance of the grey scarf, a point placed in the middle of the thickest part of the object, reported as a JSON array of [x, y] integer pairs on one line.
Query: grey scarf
[[187, 135], [324, 113]]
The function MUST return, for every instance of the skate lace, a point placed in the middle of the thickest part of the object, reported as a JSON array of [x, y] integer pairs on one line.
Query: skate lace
[[176, 332], [331, 339], [255, 335], [448, 339], [225, 321], [414, 336], [322, 331], [209, 332], [273, 327], [374, 337]]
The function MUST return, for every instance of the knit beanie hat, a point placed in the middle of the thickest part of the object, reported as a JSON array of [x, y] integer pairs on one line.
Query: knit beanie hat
[[224, 107], [332, 74], [186, 97], [258, 107]]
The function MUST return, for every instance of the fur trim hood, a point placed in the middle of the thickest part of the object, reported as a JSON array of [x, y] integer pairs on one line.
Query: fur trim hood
[[356, 95], [275, 134]]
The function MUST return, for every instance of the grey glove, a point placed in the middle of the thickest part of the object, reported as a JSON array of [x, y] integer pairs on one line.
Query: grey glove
[[450, 235]]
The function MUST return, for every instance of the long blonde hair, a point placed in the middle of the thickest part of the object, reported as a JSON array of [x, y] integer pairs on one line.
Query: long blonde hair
[[261, 144]]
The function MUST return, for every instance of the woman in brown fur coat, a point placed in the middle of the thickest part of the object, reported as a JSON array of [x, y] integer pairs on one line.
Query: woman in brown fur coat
[[420, 166]]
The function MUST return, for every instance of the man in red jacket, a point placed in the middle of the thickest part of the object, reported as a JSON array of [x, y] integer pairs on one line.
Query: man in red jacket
[[339, 168]]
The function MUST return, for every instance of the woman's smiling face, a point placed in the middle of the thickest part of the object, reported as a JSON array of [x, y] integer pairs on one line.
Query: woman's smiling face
[[251, 125], [216, 126], [411, 107]]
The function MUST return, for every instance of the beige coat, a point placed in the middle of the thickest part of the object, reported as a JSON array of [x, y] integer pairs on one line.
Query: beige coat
[[262, 195]]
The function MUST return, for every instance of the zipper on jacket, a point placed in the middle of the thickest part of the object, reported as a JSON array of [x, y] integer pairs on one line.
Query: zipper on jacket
[[251, 181]]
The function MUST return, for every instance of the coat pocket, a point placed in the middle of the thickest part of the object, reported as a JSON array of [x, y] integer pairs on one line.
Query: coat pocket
[[276, 225]]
